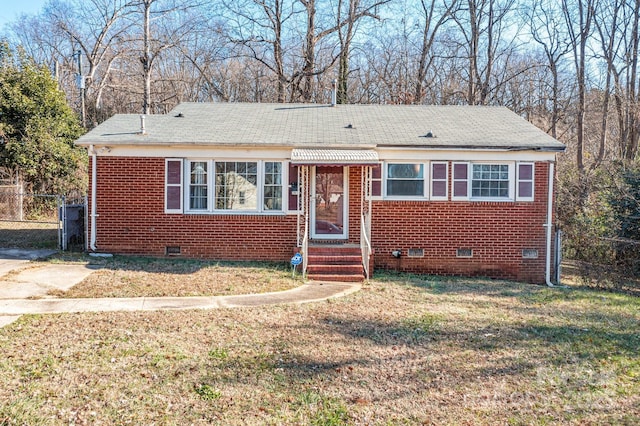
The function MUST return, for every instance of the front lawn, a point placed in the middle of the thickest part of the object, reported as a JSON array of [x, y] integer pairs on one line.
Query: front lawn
[[404, 350], [133, 276]]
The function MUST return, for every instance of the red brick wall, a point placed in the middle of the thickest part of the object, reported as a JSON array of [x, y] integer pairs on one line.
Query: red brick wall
[[130, 205], [497, 232]]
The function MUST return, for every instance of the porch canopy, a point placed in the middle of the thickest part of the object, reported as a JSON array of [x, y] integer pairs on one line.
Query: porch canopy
[[334, 157]]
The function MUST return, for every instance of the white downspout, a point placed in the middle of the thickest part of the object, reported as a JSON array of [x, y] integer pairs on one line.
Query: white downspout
[[94, 174], [549, 225]]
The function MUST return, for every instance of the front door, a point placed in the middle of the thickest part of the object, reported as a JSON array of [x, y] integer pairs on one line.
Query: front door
[[329, 203]]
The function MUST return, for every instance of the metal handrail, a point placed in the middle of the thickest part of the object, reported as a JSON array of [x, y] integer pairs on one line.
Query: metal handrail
[[365, 245], [305, 259]]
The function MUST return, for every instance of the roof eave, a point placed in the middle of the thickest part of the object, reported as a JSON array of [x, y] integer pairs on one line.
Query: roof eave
[[478, 147]]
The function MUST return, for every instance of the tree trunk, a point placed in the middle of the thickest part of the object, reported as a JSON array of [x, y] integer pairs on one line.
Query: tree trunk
[[146, 57]]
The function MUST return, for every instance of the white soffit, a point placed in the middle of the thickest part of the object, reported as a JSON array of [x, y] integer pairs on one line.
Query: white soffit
[[345, 157]]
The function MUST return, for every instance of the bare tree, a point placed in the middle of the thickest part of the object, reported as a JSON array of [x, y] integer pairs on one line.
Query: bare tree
[[482, 24], [617, 24], [546, 29], [578, 15], [259, 30], [96, 29], [431, 24], [346, 26]]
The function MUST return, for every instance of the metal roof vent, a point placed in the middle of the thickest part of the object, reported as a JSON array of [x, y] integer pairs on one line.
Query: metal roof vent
[[334, 92], [429, 134], [349, 126], [179, 115], [143, 129]]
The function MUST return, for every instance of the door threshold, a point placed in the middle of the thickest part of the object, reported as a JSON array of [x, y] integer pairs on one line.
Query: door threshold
[[331, 243]]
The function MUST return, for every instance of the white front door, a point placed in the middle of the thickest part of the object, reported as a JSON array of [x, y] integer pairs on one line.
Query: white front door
[[329, 203]]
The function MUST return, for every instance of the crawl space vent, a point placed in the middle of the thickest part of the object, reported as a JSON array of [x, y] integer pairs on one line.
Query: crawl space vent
[[172, 250], [464, 252], [415, 252], [529, 253]]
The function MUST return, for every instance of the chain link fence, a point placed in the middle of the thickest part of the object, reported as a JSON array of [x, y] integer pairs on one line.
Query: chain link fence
[[40, 221], [614, 264]]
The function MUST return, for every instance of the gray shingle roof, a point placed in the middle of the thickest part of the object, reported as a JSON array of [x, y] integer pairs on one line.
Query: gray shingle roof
[[323, 126]]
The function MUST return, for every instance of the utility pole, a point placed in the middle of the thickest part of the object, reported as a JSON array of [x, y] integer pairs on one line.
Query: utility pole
[[81, 86]]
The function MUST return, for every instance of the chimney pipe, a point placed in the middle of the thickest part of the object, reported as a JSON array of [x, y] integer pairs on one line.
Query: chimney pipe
[[143, 130], [334, 92]]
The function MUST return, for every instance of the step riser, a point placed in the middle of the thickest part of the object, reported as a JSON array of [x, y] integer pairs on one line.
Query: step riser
[[332, 260], [335, 269], [340, 278], [330, 251]]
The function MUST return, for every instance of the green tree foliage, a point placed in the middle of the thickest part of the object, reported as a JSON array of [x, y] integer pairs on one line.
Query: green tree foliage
[[37, 128]]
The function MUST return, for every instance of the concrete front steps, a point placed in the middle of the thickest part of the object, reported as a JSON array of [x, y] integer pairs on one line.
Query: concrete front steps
[[335, 262]]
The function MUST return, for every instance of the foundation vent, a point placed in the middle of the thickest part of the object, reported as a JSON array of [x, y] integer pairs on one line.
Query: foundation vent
[[464, 252], [172, 250], [529, 253], [415, 252]]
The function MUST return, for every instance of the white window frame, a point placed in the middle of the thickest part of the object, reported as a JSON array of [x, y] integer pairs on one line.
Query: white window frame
[[446, 181], [512, 165], [455, 197], [284, 190], [286, 183], [187, 180], [211, 187], [532, 180], [511, 173], [425, 181], [167, 185], [381, 181]]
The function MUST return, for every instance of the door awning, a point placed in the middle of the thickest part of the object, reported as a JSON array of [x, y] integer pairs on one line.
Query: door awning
[[334, 157]]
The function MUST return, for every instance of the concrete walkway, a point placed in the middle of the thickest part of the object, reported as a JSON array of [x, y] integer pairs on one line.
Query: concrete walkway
[[24, 287]]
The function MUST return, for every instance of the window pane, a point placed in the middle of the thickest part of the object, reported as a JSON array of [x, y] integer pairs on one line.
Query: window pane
[[199, 172], [293, 187], [173, 172], [439, 188], [273, 186], [405, 171], [198, 197], [376, 172], [439, 171], [460, 188], [405, 187], [405, 180], [490, 181], [173, 197], [525, 189], [460, 171], [236, 185], [198, 185], [376, 188], [526, 172]]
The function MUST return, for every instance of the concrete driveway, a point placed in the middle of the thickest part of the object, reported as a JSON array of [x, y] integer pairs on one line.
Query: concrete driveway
[[20, 278], [11, 259]]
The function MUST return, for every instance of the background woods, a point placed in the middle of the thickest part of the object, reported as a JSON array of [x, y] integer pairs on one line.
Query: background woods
[[570, 67]]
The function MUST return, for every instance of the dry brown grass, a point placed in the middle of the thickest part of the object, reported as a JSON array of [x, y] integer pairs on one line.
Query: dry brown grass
[[127, 276], [404, 350], [16, 234]]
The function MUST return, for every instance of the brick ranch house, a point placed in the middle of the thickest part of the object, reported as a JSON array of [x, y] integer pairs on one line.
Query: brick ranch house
[[453, 190]]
